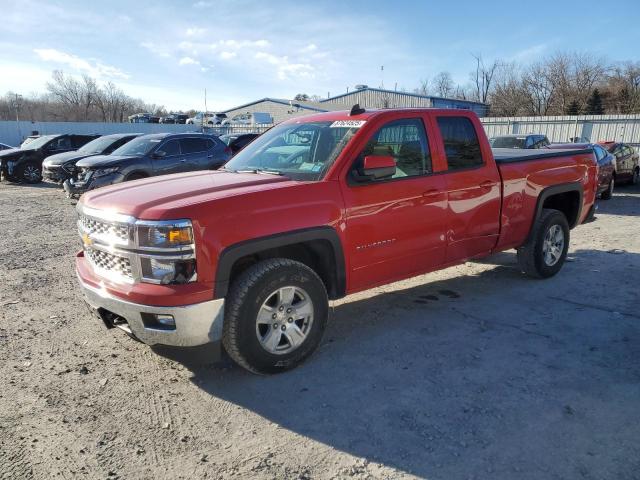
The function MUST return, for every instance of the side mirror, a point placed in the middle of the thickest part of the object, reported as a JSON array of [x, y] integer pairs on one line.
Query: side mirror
[[376, 167], [159, 154]]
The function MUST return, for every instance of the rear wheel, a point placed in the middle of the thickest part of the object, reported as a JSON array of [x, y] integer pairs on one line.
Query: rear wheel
[[29, 172], [608, 193], [275, 315], [545, 252]]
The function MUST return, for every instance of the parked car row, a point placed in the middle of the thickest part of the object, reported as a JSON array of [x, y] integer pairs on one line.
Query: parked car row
[[84, 162], [617, 162]]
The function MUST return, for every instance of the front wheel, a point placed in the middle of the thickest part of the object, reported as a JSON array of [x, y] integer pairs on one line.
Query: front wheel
[[275, 315], [545, 252], [29, 172]]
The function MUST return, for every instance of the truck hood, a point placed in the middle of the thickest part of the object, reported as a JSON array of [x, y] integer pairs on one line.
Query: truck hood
[[61, 158], [163, 197], [100, 161]]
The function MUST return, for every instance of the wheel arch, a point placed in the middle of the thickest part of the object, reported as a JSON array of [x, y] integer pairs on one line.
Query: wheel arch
[[319, 248], [566, 197]]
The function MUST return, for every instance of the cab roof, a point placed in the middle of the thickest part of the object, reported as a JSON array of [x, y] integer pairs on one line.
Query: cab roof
[[369, 114]]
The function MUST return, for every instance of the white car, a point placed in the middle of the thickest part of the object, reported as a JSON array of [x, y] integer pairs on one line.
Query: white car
[[250, 118], [202, 118]]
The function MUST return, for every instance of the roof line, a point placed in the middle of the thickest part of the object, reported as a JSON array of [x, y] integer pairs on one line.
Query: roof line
[[275, 100], [400, 93]]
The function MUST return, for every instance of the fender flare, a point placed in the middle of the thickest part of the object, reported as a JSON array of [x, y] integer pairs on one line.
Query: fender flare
[[555, 190], [231, 254]]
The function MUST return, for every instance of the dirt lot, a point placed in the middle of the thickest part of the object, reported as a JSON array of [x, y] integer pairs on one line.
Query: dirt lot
[[472, 372]]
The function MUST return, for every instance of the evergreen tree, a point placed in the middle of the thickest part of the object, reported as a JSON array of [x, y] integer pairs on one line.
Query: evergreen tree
[[594, 104], [573, 108]]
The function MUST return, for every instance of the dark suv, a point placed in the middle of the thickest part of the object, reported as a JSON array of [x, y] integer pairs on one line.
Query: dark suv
[[147, 156], [25, 163], [627, 162], [62, 166]]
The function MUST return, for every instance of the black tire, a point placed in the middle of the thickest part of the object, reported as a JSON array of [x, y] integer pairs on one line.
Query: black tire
[[608, 193], [29, 172], [636, 176], [246, 297], [531, 256]]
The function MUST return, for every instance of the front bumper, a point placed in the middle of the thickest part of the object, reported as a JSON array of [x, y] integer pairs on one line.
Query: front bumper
[[56, 175], [78, 187], [195, 324]]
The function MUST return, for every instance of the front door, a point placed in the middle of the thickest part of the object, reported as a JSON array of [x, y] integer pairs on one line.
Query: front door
[[396, 226]]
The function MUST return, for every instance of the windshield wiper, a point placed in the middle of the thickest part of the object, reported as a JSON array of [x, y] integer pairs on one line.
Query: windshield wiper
[[258, 170]]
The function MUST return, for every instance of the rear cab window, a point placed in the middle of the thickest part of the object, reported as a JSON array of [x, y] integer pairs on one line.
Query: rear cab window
[[461, 144]]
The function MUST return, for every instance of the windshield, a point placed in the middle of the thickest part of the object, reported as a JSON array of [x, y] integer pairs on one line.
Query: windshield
[[138, 146], [98, 145], [301, 151], [508, 142], [39, 142]]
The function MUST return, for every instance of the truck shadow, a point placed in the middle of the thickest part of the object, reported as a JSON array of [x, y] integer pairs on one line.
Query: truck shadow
[[475, 373]]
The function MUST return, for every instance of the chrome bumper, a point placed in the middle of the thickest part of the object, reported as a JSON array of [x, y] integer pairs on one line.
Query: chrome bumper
[[195, 324]]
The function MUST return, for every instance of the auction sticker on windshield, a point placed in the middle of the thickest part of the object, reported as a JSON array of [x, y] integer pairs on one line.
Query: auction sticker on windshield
[[347, 123]]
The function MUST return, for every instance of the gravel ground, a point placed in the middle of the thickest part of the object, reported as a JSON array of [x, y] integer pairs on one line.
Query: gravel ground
[[471, 372]]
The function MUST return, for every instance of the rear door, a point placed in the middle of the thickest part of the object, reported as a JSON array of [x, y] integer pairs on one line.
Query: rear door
[[171, 161], [473, 189], [194, 150], [395, 226]]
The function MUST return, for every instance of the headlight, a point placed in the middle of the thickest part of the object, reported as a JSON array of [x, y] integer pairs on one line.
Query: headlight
[[168, 271], [165, 235], [169, 248], [105, 171]]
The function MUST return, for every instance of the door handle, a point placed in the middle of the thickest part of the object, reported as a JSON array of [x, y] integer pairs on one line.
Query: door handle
[[432, 192], [486, 185]]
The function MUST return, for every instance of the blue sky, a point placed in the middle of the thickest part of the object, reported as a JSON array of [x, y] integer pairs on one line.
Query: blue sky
[[169, 52]]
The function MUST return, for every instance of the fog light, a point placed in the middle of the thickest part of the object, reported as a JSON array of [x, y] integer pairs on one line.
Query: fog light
[[166, 320]]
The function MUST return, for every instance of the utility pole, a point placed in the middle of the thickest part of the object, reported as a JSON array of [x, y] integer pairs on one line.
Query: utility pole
[[204, 116], [17, 104]]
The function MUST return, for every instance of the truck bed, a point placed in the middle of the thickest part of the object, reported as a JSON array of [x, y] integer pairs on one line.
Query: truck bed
[[511, 155]]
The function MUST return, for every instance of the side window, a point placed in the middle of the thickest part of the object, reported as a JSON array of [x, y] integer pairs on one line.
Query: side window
[[62, 143], [193, 145], [626, 151], [600, 153], [461, 144], [172, 147], [210, 144], [404, 140], [529, 143]]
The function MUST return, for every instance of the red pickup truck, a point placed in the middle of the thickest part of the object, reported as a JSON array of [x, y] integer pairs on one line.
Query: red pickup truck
[[317, 208]]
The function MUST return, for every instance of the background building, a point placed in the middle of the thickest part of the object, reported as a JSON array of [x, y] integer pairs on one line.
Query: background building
[[281, 109]]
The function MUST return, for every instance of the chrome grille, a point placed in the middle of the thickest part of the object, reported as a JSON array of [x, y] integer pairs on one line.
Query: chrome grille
[[109, 262], [100, 228]]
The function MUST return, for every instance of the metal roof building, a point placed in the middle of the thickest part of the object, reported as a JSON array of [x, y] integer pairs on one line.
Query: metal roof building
[[281, 109], [379, 98]]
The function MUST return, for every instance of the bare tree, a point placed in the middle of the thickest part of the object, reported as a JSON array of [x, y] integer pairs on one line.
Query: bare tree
[[443, 84], [423, 88], [539, 87], [482, 78]]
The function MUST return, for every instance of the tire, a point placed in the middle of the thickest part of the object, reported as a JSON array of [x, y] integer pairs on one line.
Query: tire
[[261, 293], [29, 172], [608, 193], [636, 176], [532, 258]]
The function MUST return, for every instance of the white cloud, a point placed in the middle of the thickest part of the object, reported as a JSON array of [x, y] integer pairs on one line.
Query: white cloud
[[203, 4], [155, 49], [227, 55], [284, 68], [91, 67], [188, 61], [309, 48], [196, 32]]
